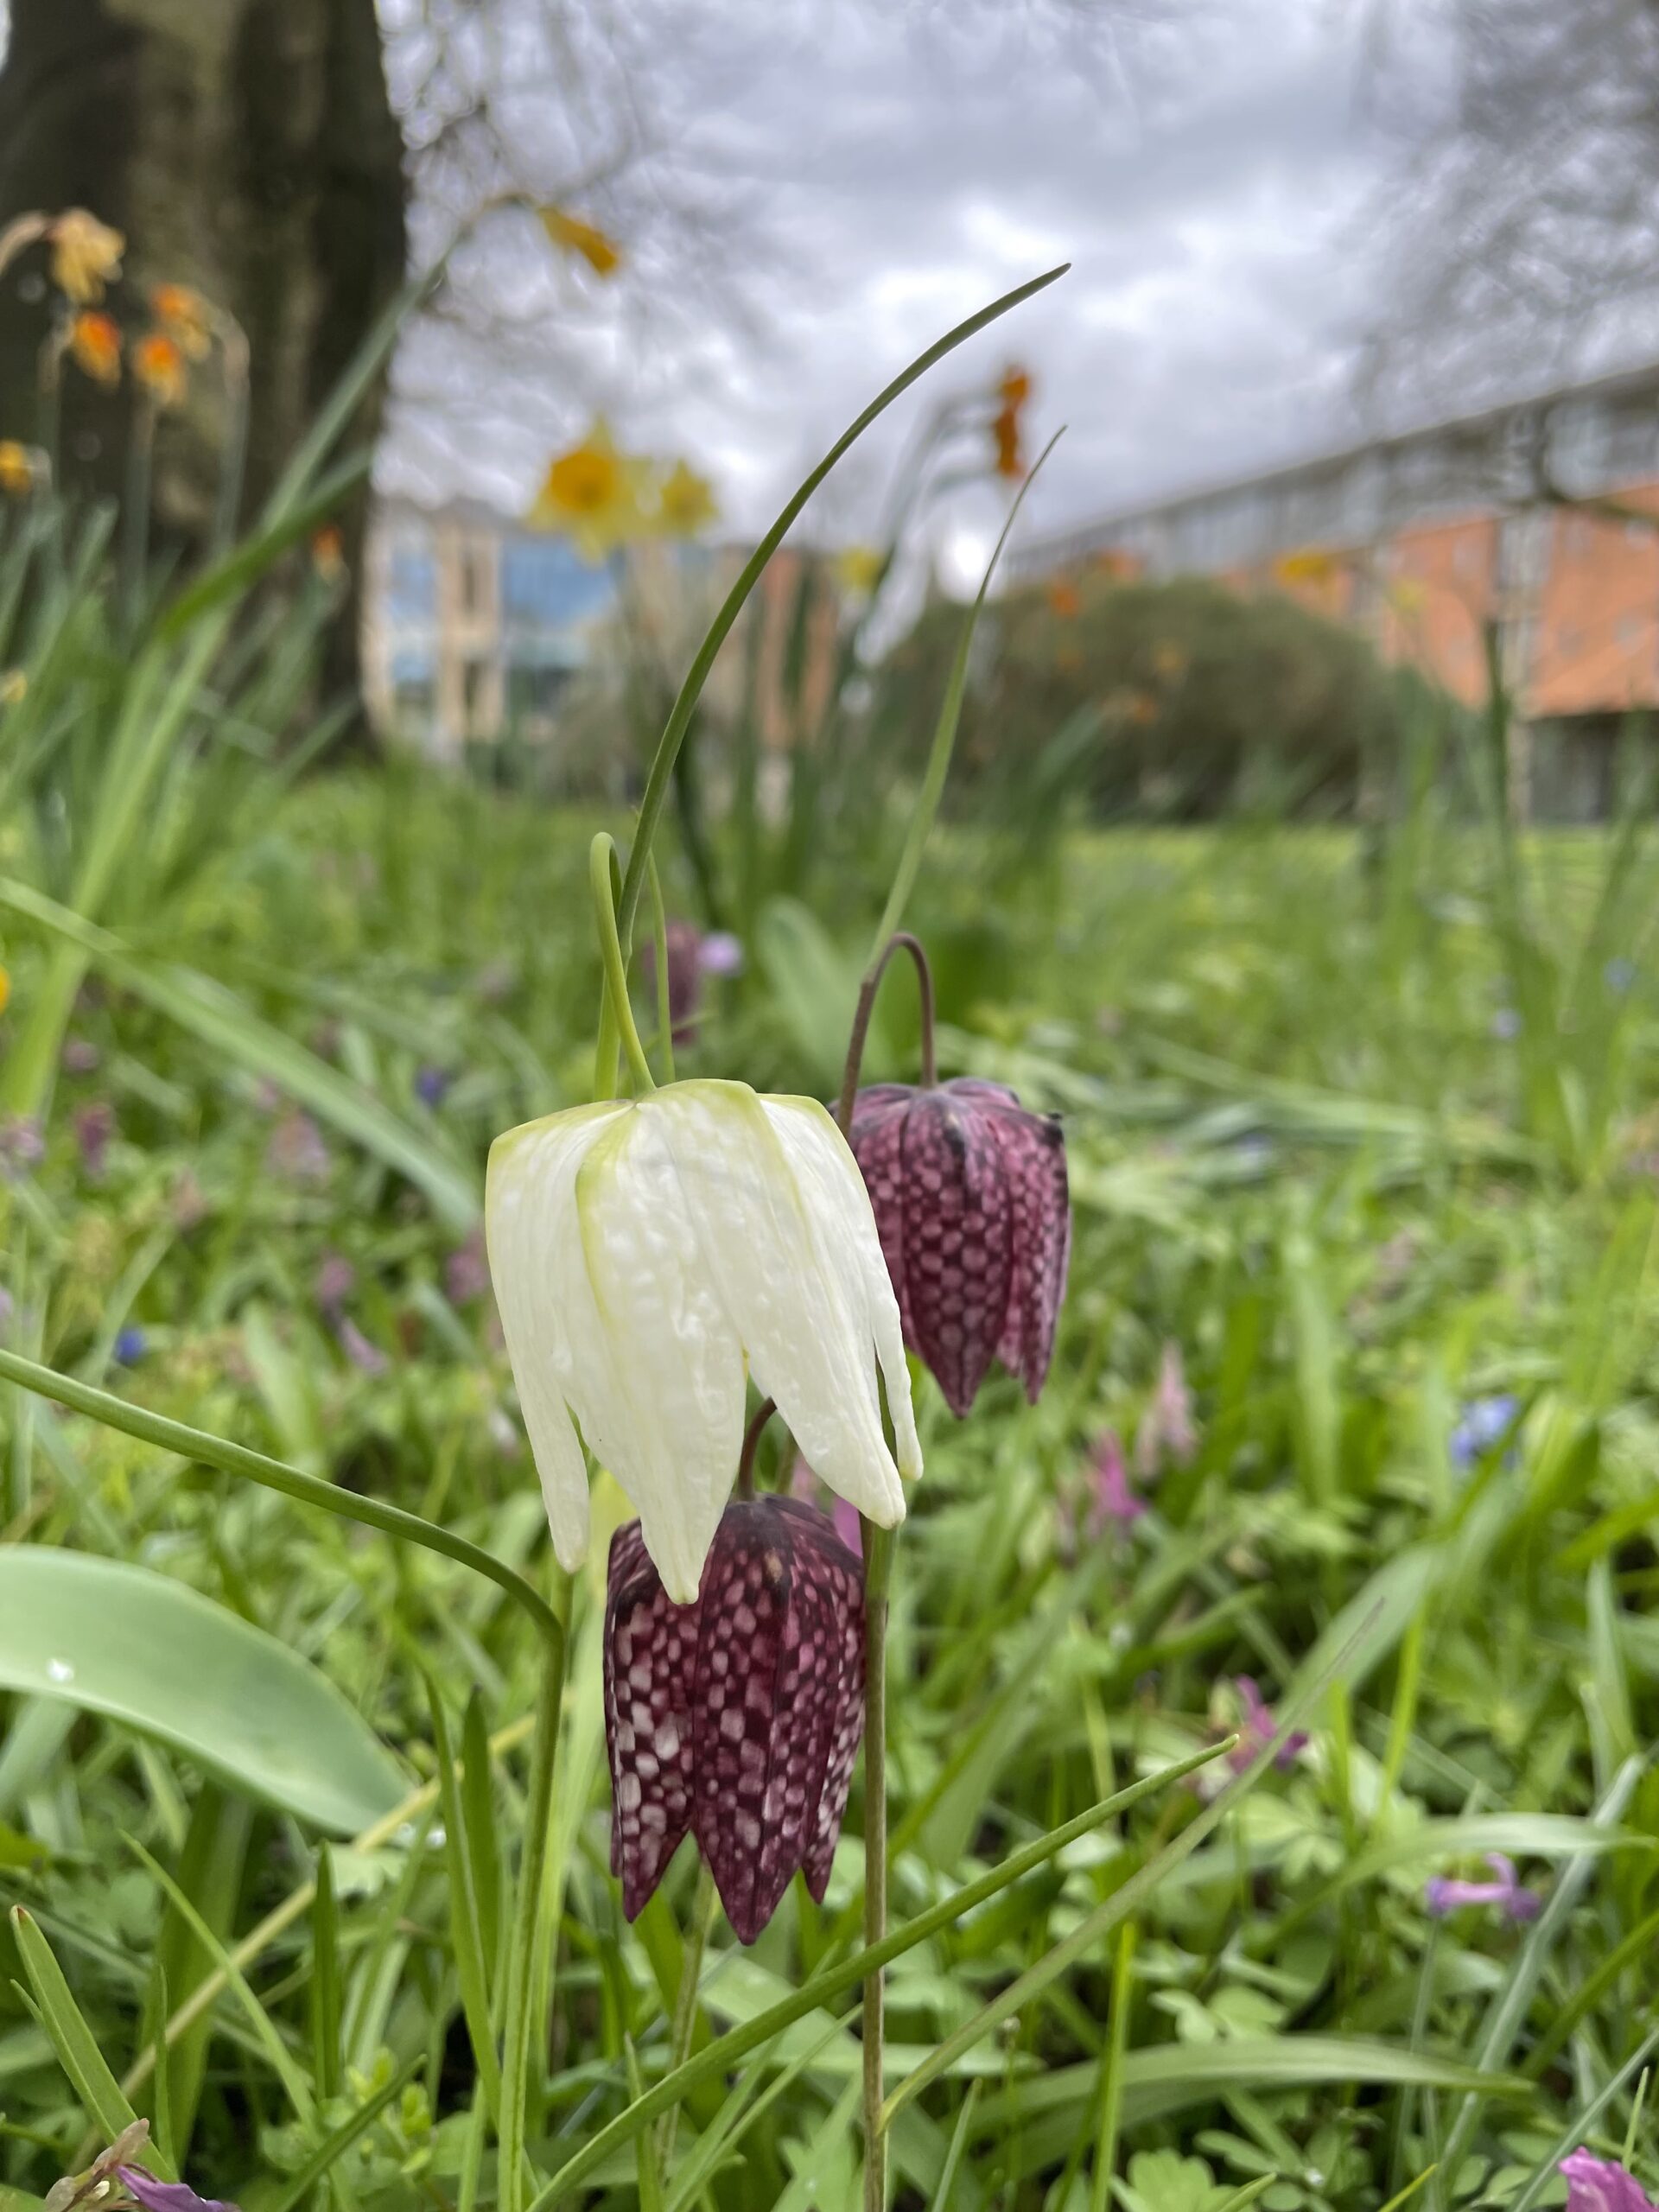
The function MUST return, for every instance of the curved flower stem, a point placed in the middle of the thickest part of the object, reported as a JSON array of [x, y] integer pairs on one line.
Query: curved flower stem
[[601, 868], [866, 1007], [679, 720], [664, 997], [763, 1414]]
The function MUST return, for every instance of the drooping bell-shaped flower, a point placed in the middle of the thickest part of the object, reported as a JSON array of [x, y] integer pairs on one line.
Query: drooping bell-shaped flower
[[649, 1259], [971, 1202], [736, 1718]]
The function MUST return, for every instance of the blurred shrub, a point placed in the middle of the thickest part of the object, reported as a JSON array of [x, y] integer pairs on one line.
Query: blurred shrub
[[1177, 699]]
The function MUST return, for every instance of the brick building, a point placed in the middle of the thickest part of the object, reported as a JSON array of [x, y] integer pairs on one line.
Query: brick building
[[1527, 517]]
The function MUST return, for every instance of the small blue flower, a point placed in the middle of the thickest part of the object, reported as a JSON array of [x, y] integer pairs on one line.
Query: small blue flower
[[1506, 1024], [131, 1347], [1484, 1422], [430, 1084], [1620, 976]]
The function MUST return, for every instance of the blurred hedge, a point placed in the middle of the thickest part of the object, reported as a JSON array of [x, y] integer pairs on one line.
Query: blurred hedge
[[1176, 700]]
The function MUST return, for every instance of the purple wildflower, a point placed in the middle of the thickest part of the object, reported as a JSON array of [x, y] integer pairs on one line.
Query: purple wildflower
[[1168, 1430], [1506, 1025], [1483, 1423], [357, 1349], [1257, 1728], [431, 1085], [21, 1145], [683, 940], [735, 1718], [1441, 1894], [722, 954], [1112, 1503], [130, 1345], [296, 1152], [81, 1056], [166, 2195], [336, 1278], [94, 1125], [972, 1209], [1601, 2185], [466, 1271]]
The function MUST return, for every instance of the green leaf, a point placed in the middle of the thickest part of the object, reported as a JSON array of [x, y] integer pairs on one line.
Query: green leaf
[[159, 1657], [106, 2109]]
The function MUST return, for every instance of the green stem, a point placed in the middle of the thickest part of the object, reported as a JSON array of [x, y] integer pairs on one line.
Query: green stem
[[717, 2058], [679, 720], [664, 1002], [520, 2036], [275, 1474], [1111, 2098], [684, 2025], [601, 866], [944, 735], [878, 1571], [866, 1007]]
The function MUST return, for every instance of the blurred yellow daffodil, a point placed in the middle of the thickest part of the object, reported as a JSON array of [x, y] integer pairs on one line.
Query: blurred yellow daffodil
[[685, 502], [95, 348], [182, 314], [859, 569], [158, 368], [1407, 595], [17, 469], [1310, 564], [85, 256], [592, 494], [571, 235]]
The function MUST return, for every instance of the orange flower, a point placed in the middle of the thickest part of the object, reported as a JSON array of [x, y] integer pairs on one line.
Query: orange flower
[[85, 256], [16, 469], [572, 235], [1063, 598], [185, 316], [95, 346], [328, 554], [1014, 390], [158, 365], [1005, 434]]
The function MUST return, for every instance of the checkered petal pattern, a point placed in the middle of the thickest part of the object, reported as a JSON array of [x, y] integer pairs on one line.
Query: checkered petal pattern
[[745, 1708], [972, 1210]]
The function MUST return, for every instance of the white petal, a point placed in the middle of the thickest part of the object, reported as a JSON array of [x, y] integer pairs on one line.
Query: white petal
[[792, 1279], [529, 1214], [823, 1162], [669, 1420]]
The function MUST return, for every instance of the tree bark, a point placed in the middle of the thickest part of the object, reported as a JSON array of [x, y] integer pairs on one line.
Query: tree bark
[[247, 148]]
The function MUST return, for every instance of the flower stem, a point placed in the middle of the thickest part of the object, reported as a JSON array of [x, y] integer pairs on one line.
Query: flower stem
[[665, 995], [878, 1569], [866, 1007], [684, 2027], [601, 871], [521, 2034], [763, 1414]]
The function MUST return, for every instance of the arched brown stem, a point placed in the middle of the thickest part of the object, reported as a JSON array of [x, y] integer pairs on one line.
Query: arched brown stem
[[763, 1414], [867, 989]]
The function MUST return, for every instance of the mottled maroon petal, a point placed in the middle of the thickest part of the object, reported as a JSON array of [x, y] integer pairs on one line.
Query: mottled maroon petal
[[650, 1651], [1033, 1153], [878, 1139], [846, 1723], [958, 1241], [768, 1707], [971, 1204]]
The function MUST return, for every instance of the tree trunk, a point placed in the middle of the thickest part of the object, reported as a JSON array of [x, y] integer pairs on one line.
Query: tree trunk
[[247, 148]]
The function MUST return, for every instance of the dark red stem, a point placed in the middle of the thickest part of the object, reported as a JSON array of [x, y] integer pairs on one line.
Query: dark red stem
[[763, 1414], [867, 989]]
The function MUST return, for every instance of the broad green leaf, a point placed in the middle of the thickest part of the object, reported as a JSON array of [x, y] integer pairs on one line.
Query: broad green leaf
[[160, 1658]]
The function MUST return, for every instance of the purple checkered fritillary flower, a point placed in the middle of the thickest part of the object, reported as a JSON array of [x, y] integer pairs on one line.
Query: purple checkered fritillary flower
[[1443, 1894], [975, 1217], [1601, 2185], [735, 1718]]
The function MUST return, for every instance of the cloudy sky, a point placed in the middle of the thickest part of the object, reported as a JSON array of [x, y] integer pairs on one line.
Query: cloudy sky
[[1208, 170]]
